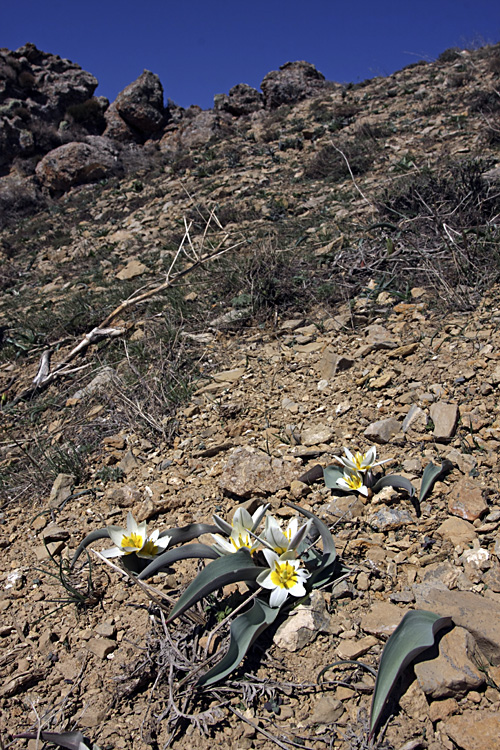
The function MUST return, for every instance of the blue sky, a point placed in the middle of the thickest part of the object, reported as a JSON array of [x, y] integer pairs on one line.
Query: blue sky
[[199, 49]]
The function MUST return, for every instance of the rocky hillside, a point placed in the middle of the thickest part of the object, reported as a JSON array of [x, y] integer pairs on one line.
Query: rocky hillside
[[200, 307]]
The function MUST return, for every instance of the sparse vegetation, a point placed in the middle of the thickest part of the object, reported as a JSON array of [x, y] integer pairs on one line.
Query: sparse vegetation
[[357, 284]]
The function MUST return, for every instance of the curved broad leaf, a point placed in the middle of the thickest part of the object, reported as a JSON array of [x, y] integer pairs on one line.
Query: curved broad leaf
[[396, 481], [330, 474], [69, 740], [244, 631], [326, 571], [182, 534], [431, 475], [415, 633], [92, 537], [238, 566], [324, 531], [173, 555]]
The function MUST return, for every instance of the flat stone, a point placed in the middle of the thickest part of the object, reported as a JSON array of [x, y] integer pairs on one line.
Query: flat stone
[[445, 417], [124, 496], [55, 533], [480, 616], [382, 619], [105, 630], [133, 268], [101, 647], [299, 489], [128, 463], [331, 363], [102, 380], [291, 325], [327, 710], [61, 489], [378, 337], [383, 430], [415, 420], [466, 500], [386, 518], [465, 461], [303, 624], [403, 351], [94, 715], [491, 578], [229, 376], [314, 346], [350, 649], [346, 507], [457, 531], [382, 381], [316, 434], [453, 672], [43, 552], [474, 730], [442, 574], [440, 710], [250, 472]]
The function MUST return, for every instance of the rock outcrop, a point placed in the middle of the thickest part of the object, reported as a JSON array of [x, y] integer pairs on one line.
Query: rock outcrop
[[137, 112], [241, 100], [44, 101], [291, 83]]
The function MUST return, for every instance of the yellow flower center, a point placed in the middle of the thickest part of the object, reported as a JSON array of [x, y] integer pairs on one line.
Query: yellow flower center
[[150, 548], [355, 482], [284, 575], [134, 541], [242, 541], [358, 459], [282, 550]]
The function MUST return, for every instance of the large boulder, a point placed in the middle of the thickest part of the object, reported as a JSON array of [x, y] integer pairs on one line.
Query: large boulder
[[291, 83], [241, 100], [138, 111], [44, 100], [78, 163]]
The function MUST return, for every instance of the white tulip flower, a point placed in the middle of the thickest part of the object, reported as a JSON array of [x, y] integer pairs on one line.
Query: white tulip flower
[[360, 462], [352, 480], [134, 539], [283, 577], [239, 538], [284, 541], [241, 520]]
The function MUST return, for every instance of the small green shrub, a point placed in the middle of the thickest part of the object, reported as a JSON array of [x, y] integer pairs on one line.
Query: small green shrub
[[331, 165]]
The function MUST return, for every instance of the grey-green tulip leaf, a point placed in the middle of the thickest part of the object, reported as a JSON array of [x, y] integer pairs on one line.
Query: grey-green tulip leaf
[[328, 568], [331, 474], [396, 481], [431, 475], [69, 740], [186, 533], [187, 552], [92, 537], [244, 631], [324, 531], [415, 633], [237, 566]]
